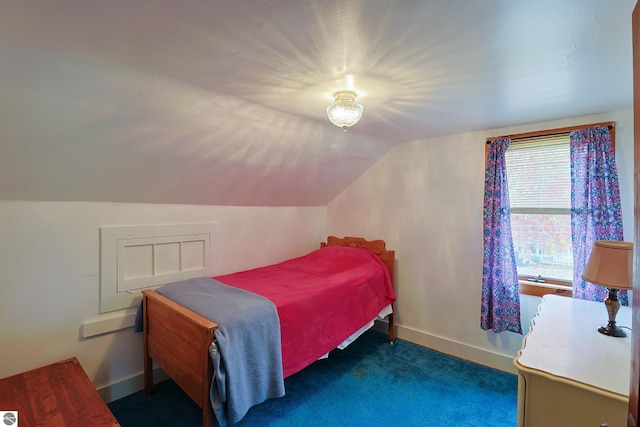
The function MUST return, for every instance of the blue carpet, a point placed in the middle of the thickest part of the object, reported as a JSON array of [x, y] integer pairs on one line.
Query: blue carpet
[[369, 383]]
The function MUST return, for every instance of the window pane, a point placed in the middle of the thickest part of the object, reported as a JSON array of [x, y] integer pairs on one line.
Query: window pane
[[542, 244], [539, 174]]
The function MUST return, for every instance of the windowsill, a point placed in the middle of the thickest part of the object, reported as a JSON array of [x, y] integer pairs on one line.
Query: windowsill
[[541, 289]]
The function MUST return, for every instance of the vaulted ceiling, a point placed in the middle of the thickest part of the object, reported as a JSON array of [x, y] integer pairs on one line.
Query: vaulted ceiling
[[223, 102]]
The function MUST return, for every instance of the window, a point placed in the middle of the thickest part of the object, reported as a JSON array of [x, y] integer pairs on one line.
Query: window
[[539, 176], [539, 179]]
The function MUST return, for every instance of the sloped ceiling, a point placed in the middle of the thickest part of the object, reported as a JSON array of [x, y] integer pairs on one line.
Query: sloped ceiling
[[223, 102]]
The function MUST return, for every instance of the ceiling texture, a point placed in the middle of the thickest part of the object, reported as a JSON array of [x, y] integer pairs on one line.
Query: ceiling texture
[[224, 102]]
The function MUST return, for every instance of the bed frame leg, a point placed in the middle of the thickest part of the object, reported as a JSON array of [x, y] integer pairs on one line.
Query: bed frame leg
[[392, 329], [207, 415], [148, 363], [148, 375]]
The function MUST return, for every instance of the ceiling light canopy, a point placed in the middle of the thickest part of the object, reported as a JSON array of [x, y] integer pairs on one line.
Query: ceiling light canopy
[[345, 111]]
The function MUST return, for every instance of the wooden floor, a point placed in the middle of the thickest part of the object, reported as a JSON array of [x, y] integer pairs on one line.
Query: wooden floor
[[60, 394]]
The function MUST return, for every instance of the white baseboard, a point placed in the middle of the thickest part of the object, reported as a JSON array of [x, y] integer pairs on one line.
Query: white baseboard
[[129, 386], [460, 350]]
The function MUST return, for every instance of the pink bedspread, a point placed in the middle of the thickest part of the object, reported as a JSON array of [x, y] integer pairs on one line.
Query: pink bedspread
[[322, 298]]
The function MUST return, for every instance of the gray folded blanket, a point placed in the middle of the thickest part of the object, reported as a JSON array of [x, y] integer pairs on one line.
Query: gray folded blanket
[[247, 355]]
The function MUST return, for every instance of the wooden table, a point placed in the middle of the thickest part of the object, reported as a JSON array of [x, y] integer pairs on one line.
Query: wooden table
[[59, 394], [569, 374]]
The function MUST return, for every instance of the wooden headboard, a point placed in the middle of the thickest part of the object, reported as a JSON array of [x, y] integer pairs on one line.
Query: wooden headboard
[[378, 247]]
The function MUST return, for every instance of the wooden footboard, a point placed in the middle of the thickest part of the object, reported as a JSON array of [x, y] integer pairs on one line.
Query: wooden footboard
[[178, 340]]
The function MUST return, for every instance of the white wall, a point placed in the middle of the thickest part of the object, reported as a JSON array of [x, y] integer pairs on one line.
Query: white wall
[[50, 265], [425, 199]]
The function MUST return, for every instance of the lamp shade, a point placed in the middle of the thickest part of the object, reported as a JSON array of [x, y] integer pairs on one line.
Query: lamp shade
[[610, 264]]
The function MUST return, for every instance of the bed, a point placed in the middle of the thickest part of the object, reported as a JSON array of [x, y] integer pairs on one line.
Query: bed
[[180, 340]]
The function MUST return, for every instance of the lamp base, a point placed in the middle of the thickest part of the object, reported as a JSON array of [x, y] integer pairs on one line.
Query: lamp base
[[613, 305], [612, 330]]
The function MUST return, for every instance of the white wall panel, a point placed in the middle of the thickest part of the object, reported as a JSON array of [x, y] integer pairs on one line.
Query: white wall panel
[[134, 258]]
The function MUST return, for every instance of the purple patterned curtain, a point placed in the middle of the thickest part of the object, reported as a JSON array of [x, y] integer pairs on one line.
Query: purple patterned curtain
[[596, 212], [500, 309]]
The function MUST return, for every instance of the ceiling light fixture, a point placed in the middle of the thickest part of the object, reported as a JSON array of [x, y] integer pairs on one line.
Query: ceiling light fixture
[[345, 111]]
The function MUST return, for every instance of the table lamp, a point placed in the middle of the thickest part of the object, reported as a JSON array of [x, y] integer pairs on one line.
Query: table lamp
[[611, 265]]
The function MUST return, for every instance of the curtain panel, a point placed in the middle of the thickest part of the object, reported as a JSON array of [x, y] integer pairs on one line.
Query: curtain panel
[[500, 309], [596, 211]]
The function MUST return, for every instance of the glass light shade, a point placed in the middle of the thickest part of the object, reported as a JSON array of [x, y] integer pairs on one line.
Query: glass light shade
[[610, 264], [345, 111]]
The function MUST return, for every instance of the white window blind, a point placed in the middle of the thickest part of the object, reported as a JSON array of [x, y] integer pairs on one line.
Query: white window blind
[[539, 175], [539, 179]]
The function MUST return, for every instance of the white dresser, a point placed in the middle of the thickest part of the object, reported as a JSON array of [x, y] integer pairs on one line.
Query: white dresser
[[569, 374]]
